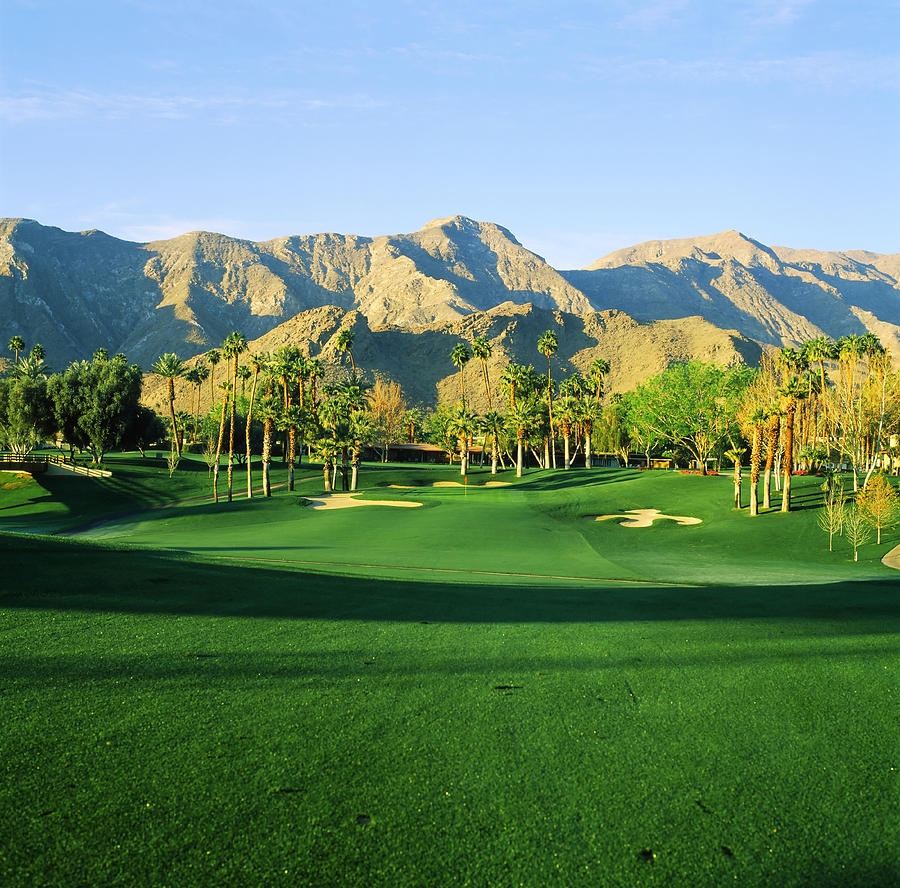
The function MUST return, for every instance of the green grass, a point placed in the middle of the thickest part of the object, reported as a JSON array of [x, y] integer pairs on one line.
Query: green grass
[[178, 714]]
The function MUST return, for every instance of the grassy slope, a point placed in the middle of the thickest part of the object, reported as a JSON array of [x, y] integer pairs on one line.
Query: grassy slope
[[186, 723]]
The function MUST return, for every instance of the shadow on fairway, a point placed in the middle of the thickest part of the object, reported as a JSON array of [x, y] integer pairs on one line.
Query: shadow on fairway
[[58, 574]]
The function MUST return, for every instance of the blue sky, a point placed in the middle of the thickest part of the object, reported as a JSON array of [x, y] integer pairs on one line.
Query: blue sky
[[582, 127]]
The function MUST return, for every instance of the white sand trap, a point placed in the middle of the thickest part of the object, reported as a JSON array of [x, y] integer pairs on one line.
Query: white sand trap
[[497, 483], [402, 486], [892, 559], [645, 518], [348, 501]]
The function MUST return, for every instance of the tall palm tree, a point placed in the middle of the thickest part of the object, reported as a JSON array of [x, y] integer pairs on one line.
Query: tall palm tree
[[284, 366], [256, 364], [465, 424], [38, 352], [757, 421], [523, 418], [481, 349], [517, 378], [16, 344], [269, 413], [568, 414], [226, 395], [243, 374], [736, 454], [548, 345], [494, 425], [597, 374], [213, 356], [792, 392], [362, 429], [460, 355], [170, 367], [201, 372], [345, 343], [235, 345], [773, 433]]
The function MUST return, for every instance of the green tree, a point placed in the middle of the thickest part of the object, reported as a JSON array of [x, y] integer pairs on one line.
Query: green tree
[[494, 427], [597, 374], [465, 425], [26, 413], [257, 362], [792, 392], [523, 419]]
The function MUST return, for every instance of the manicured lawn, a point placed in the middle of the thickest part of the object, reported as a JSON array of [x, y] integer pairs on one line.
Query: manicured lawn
[[183, 707]]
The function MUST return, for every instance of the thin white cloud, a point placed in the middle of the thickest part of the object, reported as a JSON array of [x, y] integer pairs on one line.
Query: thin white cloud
[[776, 13], [652, 14], [844, 71], [50, 104]]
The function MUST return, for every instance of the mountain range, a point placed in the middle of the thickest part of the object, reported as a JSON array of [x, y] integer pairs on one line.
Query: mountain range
[[723, 295]]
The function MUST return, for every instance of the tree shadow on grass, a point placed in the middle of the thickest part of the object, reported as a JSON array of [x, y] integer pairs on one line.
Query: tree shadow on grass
[[60, 574]]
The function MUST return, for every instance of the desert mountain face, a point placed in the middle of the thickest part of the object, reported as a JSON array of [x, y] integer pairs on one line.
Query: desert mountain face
[[76, 292], [419, 357], [775, 295]]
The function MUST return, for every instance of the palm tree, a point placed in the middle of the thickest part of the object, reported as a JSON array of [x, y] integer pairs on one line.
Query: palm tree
[[284, 368], [568, 414], [256, 364], [597, 375], [517, 378], [465, 424], [201, 372], [494, 426], [170, 367], [226, 395], [772, 434], [243, 374], [345, 343], [460, 357], [757, 420], [38, 352], [362, 429], [235, 345], [269, 413], [548, 345], [736, 455], [792, 392], [522, 420], [213, 356], [481, 349], [16, 344]]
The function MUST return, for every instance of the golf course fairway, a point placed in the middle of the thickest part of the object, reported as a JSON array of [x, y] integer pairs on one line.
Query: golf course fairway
[[487, 689]]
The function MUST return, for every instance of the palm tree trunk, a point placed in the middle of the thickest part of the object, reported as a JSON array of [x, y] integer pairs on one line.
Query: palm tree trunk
[[345, 485], [267, 456], [326, 472], [788, 457], [354, 470], [172, 414], [519, 458], [587, 449], [219, 450], [249, 420], [566, 448], [292, 444], [755, 456], [771, 444], [231, 432], [493, 454], [546, 452]]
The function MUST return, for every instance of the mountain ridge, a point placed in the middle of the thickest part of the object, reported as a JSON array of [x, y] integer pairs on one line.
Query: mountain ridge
[[75, 292]]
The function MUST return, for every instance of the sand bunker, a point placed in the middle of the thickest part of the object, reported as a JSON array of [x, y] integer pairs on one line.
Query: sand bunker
[[645, 518], [348, 501], [892, 559]]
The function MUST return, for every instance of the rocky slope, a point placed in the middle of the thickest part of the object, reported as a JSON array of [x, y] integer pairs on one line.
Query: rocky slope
[[418, 357], [77, 292]]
